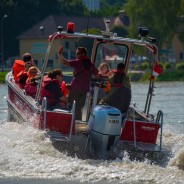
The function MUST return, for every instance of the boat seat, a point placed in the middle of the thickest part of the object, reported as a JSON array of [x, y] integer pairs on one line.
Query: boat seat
[[140, 116]]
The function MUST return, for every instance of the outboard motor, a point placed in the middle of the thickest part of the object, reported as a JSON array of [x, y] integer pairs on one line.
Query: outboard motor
[[104, 130]]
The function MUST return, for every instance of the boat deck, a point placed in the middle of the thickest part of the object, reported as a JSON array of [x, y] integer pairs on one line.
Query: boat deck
[[80, 127]]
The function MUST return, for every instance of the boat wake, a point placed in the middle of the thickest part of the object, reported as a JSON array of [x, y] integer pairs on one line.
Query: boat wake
[[27, 152], [176, 143]]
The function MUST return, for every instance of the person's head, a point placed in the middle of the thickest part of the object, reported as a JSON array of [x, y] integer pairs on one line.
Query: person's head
[[27, 58], [56, 74], [81, 51], [103, 68], [121, 66], [27, 66], [33, 71]]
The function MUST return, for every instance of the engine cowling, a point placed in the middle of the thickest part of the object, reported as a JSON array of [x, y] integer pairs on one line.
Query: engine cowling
[[104, 129]]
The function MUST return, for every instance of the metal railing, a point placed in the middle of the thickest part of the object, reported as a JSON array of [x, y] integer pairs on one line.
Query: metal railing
[[134, 127], [159, 120], [53, 134]]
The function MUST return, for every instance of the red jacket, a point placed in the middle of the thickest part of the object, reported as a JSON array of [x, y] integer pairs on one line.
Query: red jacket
[[64, 89], [30, 89], [52, 98]]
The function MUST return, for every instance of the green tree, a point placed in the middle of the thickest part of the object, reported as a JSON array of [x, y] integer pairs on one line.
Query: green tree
[[74, 7], [181, 26], [22, 14], [109, 8], [160, 16], [112, 2]]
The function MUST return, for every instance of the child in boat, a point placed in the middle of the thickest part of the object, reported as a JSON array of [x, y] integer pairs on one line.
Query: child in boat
[[105, 73], [32, 72], [19, 65], [51, 89], [119, 95], [23, 75], [104, 70], [31, 82]]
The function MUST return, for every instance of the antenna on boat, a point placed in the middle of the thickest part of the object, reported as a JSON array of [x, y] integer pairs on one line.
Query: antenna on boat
[[87, 26]]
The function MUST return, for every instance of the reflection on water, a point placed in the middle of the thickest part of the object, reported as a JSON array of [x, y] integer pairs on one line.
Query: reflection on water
[[27, 153]]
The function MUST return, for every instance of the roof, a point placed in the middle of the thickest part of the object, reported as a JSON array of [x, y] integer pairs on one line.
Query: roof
[[49, 25]]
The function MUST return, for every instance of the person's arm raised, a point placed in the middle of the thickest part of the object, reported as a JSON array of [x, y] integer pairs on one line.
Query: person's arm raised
[[61, 58]]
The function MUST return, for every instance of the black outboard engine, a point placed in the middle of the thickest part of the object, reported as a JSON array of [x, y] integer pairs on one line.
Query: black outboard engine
[[104, 130]]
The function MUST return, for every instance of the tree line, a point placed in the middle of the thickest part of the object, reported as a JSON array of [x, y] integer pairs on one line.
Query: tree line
[[164, 19]]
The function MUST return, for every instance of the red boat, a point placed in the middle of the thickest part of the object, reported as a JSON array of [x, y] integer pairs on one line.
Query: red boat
[[96, 137]]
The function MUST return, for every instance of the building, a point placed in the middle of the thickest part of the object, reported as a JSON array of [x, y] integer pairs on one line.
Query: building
[[35, 40]]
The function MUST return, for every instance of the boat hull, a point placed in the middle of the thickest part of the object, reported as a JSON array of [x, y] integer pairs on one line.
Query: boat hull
[[73, 136], [146, 132]]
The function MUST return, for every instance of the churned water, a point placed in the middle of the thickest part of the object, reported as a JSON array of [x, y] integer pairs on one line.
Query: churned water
[[28, 156]]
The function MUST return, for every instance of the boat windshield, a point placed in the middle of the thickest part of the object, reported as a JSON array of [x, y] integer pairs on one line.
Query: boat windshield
[[111, 53]]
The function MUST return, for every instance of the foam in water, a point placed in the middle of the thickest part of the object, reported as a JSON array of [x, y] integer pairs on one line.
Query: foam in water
[[27, 152]]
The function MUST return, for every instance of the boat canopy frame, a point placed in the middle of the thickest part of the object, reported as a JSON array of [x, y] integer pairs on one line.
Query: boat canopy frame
[[102, 38]]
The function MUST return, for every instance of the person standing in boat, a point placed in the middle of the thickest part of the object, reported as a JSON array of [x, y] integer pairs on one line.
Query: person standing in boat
[[51, 89], [82, 74], [119, 95]]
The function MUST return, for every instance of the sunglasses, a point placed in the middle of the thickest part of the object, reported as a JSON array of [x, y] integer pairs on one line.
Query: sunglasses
[[77, 53]]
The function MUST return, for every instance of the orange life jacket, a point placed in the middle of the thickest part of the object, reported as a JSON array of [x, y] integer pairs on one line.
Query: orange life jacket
[[18, 66], [21, 78], [108, 87]]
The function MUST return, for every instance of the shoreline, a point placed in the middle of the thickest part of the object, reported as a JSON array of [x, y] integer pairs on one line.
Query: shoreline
[[135, 76]]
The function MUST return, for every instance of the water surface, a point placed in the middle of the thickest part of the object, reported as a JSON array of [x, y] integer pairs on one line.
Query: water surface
[[27, 156]]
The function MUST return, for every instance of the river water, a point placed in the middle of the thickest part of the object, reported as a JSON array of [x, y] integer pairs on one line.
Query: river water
[[27, 156]]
